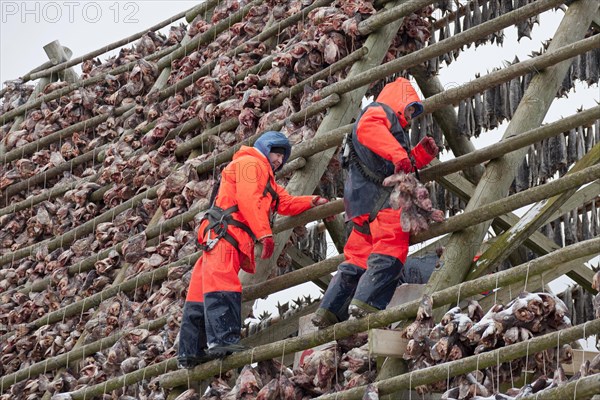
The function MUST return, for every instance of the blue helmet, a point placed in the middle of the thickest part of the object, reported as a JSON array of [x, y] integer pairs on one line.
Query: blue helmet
[[273, 139]]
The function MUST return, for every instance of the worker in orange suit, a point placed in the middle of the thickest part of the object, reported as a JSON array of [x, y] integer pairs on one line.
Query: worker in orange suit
[[377, 247], [241, 214]]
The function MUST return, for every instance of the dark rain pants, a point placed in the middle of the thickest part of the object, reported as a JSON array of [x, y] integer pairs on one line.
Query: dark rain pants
[[212, 311], [375, 253]]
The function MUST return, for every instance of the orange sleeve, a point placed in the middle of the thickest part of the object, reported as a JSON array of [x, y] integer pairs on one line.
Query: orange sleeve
[[292, 205], [373, 131], [250, 185]]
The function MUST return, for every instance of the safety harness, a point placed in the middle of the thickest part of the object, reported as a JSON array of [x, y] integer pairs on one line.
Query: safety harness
[[219, 220], [350, 157]]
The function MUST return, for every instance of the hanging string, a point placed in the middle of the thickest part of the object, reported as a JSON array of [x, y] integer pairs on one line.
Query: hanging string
[[335, 355], [448, 378], [526, 363], [458, 297], [368, 328], [526, 277], [282, 361]]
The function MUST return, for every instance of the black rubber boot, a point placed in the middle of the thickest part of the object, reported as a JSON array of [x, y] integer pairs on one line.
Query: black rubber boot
[[223, 322], [192, 336], [222, 351], [340, 291]]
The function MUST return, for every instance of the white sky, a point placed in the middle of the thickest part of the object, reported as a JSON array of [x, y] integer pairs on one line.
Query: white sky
[[83, 26]]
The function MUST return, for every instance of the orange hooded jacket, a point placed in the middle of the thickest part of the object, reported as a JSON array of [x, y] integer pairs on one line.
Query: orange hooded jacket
[[243, 183], [373, 130]]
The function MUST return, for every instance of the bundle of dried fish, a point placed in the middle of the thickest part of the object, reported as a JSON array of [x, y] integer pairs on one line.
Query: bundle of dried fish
[[413, 198], [464, 333]]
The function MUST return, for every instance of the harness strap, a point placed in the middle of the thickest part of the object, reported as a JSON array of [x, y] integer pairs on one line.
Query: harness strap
[[219, 221], [365, 229], [269, 189], [383, 198]]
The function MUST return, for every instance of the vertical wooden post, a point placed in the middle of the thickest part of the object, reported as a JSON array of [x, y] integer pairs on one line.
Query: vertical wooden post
[[56, 53]]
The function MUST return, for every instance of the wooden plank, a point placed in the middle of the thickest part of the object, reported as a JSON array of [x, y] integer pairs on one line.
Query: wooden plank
[[579, 357], [305, 327], [386, 343]]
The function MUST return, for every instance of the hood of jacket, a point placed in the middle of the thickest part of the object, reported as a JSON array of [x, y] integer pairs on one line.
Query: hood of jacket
[[273, 139], [399, 95]]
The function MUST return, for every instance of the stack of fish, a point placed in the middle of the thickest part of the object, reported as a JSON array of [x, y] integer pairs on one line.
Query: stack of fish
[[538, 387], [463, 333], [339, 366]]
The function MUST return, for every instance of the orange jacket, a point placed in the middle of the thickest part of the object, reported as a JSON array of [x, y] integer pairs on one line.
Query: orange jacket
[[243, 183], [373, 129]]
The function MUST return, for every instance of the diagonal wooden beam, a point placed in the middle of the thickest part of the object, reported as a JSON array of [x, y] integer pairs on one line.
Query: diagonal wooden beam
[[537, 242], [530, 222], [500, 172]]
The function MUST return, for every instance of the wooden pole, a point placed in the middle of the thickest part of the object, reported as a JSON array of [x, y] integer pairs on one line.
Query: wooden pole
[[291, 279], [231, 124], [462, 221], [500, 172], [486, 212], [71, 357], [390, 15], [84, 83], [313, 109], [249, 293], [267, 33], [339, 65], [382, 318], [581, 388], [509, 144], [86, 303], [200, 9], [81, 230], [50, 173], [32, 147], [552, 56], [506, 293], [207, 36], [123, 42], [56, 53], [50, 193]]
